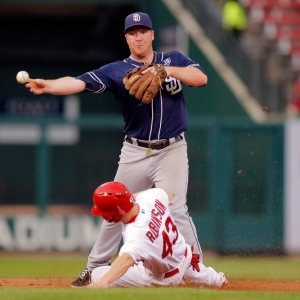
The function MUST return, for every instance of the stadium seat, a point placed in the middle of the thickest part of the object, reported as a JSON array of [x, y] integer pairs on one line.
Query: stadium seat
[[280, 21]]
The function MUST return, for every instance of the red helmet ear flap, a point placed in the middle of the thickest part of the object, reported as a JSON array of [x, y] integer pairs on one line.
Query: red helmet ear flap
[[109, 217], [95, 211]]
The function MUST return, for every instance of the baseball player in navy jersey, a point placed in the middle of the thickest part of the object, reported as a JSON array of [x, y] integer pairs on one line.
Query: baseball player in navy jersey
[[154, 251], [154, 151]]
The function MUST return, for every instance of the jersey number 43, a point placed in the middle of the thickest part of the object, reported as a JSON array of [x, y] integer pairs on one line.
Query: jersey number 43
[[170, 228]]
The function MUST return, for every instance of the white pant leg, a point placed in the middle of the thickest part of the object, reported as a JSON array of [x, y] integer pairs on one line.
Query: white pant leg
[[136, 276]]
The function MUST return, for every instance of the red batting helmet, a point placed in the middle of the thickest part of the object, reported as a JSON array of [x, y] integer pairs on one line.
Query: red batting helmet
[[112, 200]]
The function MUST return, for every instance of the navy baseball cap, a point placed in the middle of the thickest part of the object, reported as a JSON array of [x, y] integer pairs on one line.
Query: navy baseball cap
[[137, 19]]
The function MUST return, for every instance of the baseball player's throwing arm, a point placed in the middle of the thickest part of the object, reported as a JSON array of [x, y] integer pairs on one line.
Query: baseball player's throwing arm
[[60, 86], [118, 269]]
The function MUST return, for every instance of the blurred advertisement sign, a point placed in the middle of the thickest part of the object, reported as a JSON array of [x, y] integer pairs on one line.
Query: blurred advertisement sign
[[42, 106], [30, 133], [60, 233]]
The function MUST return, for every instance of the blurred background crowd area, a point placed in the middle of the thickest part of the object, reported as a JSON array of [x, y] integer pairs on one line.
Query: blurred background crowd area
[[269, 30]]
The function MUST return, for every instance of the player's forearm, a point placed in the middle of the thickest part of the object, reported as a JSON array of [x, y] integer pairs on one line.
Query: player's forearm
[[64, 86], [118, 269], [189, 75], [60, 86]]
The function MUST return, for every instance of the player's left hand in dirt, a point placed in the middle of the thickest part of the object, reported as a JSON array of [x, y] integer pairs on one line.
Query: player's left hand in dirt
[[98, 285], [144, 82]]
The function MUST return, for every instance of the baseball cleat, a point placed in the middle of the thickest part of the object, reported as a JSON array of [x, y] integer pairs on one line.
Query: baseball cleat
[[83, 279]]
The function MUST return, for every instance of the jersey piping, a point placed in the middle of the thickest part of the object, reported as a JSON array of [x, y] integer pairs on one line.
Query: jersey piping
[[97, 79]]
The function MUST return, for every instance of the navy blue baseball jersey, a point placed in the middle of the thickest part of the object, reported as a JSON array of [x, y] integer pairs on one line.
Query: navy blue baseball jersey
[[164, 117]]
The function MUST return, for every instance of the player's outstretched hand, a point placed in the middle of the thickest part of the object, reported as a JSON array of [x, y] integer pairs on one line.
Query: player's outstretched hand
[[36, 86], [98, 285]]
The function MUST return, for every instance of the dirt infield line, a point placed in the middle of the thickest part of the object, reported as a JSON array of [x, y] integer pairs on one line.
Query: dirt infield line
[[236, 285]]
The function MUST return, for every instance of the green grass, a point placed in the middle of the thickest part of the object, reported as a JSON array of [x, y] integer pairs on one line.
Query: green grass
[[70, 265], [271, 268], [42, 265], [147, 294]]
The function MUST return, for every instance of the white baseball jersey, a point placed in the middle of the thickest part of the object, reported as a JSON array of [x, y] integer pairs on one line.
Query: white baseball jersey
[[160, 253], [153, 237]]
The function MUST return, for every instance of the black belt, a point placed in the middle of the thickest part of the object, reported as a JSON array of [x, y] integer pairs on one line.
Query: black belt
[[153, 145]]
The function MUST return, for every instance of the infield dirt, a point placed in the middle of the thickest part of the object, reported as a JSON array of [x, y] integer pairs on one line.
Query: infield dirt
[[238, 285]]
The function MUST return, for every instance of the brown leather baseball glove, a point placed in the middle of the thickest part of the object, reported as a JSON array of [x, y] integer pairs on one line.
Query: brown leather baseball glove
[[144, 86]]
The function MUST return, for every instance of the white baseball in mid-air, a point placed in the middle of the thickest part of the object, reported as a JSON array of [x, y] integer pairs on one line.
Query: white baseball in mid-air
[[22, 77]]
